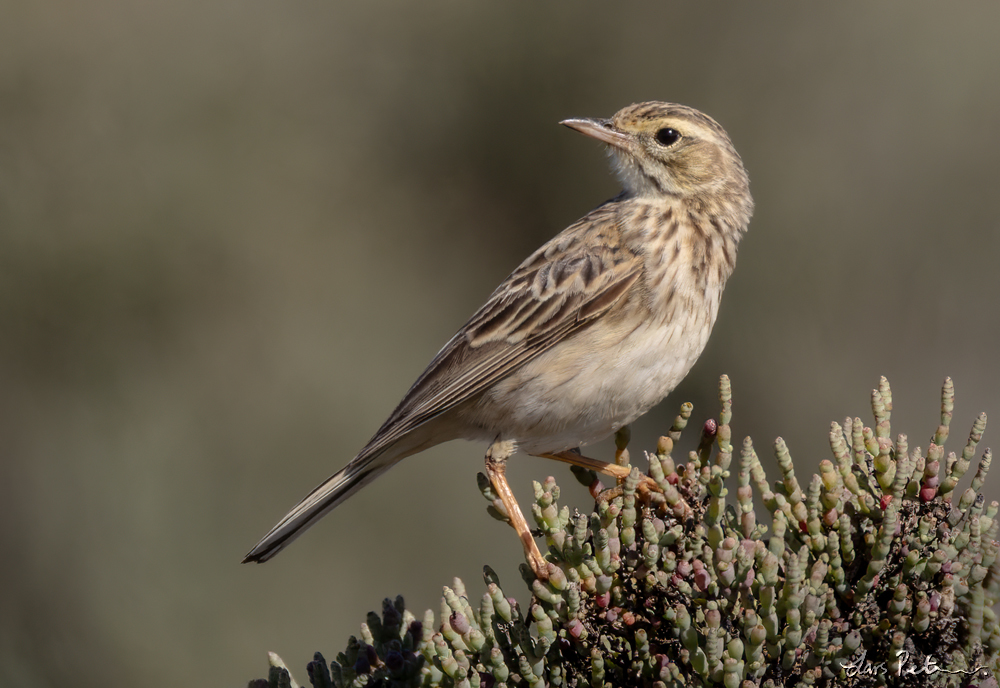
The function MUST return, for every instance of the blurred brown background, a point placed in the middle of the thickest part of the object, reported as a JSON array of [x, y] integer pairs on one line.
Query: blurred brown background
[[233, 233]]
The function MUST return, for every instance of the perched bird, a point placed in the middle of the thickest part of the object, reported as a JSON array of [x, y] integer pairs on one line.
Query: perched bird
[[588, 333]]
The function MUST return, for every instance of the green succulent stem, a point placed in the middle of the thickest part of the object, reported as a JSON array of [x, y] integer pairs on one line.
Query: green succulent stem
[[870, 570]]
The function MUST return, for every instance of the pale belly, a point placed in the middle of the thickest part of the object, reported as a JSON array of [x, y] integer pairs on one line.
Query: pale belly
[[588, 386]]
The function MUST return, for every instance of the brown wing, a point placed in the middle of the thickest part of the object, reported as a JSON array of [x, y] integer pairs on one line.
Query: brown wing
[[562, 287]]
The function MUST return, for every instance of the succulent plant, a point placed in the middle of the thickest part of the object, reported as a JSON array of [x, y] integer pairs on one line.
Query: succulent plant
[[876, 571]]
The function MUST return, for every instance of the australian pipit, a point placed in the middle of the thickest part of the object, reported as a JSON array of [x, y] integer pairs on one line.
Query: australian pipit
[[589, 332]]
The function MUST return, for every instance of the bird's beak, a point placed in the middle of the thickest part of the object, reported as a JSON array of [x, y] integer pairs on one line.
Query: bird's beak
[[599, 129]]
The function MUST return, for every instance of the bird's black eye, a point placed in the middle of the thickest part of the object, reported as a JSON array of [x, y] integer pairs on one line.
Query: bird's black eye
[[667, 136]]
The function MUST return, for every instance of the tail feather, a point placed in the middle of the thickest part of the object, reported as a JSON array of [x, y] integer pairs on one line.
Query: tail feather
[[318, 503], [381, 454]]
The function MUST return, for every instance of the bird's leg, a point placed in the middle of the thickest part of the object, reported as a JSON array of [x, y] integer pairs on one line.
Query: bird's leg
[[577, 459], [496, 468], [614, 470], [674, 501]]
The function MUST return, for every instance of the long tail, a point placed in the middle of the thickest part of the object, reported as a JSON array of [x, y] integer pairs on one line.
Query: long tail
[[318, 503]]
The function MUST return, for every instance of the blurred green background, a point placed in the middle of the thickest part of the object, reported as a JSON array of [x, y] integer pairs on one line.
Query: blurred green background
[[233, 233]]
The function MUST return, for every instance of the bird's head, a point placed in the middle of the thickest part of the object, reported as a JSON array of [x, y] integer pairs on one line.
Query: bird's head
[[665, 149]]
